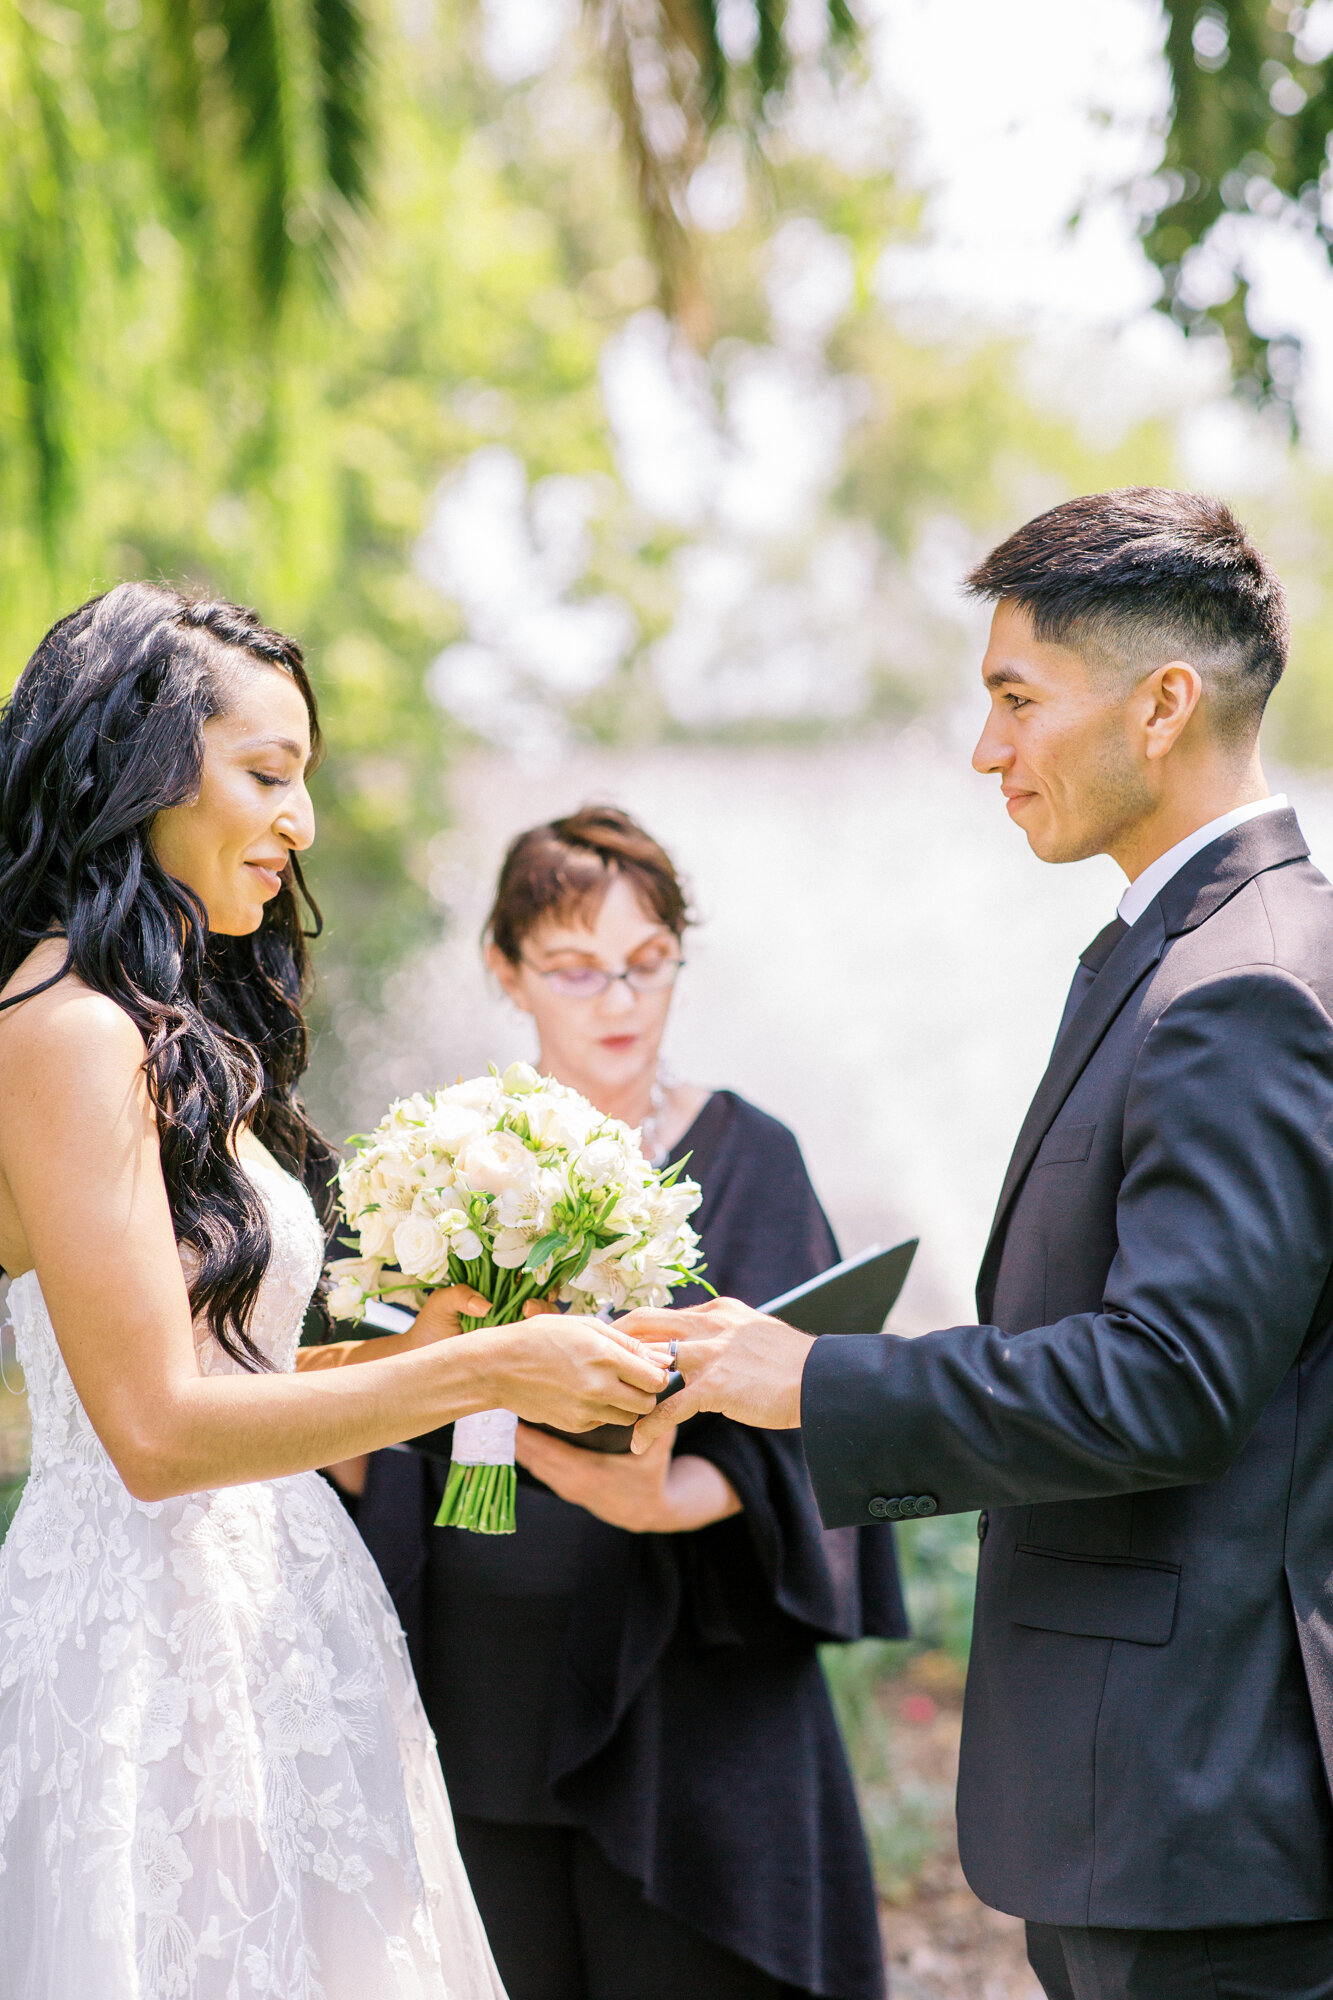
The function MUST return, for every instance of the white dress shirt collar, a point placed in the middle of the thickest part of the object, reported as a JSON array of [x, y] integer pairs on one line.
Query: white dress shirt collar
[[1158, 873]]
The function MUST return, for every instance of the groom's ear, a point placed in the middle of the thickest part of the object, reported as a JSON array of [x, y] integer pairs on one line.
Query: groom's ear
[[1166, 699]]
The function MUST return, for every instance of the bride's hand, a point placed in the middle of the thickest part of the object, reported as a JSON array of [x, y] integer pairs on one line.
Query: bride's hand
[[567, 1371]]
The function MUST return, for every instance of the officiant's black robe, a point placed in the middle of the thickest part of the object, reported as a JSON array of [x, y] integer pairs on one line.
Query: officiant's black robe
[[663, 1692]]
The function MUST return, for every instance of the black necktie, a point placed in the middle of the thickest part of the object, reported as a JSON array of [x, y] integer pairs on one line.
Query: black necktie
[[1090, 962], [1095, 955]]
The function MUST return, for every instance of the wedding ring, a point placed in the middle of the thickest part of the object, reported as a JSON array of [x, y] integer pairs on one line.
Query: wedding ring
[[671, 1353]]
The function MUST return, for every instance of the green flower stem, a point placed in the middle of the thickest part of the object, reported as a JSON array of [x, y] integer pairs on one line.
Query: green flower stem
[[480, 1498]]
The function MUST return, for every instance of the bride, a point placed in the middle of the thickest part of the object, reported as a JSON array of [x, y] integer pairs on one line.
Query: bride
[[216, 1780]]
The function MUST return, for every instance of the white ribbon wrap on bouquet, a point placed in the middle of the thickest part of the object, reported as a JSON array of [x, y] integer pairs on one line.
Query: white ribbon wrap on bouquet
[[486, 1439]]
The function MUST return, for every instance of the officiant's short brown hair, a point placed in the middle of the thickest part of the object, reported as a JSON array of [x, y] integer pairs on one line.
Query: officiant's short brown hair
[[564, 868], [1130, 578]]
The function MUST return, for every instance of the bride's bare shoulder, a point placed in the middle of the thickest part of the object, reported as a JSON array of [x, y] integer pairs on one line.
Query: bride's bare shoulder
[[67, 1023]]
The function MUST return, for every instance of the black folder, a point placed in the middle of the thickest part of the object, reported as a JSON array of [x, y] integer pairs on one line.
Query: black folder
[[854, 1297]]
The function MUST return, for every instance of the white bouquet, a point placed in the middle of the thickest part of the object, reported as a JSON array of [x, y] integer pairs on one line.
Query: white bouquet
[[518, 1186]]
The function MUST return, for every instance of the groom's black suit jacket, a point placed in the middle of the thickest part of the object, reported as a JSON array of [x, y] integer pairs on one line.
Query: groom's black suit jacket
[[1146, 1415]]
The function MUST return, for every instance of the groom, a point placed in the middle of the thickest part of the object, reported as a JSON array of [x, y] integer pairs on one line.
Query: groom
[[1145, 1411]]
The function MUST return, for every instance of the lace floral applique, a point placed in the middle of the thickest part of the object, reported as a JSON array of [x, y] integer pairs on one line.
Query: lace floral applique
[[216, 1780]]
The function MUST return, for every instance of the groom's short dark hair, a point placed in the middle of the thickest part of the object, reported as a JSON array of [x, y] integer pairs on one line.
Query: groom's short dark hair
[[1133, 578]]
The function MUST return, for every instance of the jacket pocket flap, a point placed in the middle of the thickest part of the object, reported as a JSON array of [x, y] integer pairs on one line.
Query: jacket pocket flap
[[1067, 1147], [1092, 1598]]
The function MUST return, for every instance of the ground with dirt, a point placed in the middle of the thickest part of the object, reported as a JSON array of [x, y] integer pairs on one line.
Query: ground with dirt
[[941, 1943]]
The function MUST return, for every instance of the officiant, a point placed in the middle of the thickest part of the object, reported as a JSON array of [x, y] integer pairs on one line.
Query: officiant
[[650, 1790]]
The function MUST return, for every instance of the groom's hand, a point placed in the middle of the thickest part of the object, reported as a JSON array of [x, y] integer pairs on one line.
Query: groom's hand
[[734, 1360]]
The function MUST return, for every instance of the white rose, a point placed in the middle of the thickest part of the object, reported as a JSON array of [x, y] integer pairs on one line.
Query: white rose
[[559, 1117], [419, 1246], [519, 1079], [497, 1162], [376, 1231], [603, 1162]]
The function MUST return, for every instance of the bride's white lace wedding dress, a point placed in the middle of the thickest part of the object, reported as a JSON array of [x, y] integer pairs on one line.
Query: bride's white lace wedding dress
[[216, 1779]]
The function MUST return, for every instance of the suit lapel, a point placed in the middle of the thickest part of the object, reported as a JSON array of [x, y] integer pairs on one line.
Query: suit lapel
[[1133, 958], [1200, 888]]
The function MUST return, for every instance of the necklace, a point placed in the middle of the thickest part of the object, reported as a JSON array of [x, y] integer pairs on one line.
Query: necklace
[[650, 1130]]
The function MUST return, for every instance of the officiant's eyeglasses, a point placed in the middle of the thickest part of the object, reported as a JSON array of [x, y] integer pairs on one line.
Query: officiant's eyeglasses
[[586, 982]]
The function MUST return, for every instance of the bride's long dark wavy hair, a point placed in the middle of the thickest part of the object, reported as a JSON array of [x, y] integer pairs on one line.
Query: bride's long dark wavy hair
[[104, 731]]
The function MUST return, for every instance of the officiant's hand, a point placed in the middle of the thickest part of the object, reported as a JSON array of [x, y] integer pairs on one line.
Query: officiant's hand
[[734, 1360], [442, 1315], [654, 1494]]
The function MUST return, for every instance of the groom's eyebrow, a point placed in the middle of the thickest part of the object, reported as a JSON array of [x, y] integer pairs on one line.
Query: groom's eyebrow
[[999, 677]]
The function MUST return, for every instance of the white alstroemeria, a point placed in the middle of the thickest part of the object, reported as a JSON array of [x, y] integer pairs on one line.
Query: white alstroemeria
[[407, 1112], [532, 1204], [669, 1206], [631, 1215], [455, 1227], [597, 1278], [352, 1282], [510, 1247], [513, 1206], [437, 1200], [394, 1181]]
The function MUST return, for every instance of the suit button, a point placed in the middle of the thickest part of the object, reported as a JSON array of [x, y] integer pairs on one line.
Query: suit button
[[879, 1507], [925, 1503], [983, 1525]]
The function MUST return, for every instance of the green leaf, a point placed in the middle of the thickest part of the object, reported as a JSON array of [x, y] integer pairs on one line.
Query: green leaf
[[540, 1251]]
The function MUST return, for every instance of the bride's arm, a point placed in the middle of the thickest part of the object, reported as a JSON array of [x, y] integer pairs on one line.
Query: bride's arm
[[83, 1195]]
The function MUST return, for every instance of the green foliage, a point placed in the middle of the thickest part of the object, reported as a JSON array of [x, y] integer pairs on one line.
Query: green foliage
[[241, 127], [183, 391], [939, 1568], [1249, 134], [905, 1818]]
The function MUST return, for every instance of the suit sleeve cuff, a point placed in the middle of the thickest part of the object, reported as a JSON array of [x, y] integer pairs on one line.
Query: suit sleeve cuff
[[849, 1424]]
